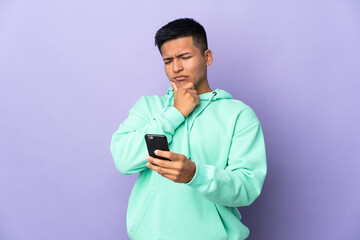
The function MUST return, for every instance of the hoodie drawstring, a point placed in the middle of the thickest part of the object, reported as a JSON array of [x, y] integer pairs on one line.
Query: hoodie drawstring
[[192, 123]]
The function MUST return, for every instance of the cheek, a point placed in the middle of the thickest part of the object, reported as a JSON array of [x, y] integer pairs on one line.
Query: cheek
[[167, 70], [192, 68], [198, 70]]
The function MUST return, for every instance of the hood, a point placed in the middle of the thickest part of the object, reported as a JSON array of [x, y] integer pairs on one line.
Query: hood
[[219, 94], [215, 95]]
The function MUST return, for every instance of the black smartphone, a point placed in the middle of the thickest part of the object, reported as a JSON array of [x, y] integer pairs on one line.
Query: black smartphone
[[156, 141]]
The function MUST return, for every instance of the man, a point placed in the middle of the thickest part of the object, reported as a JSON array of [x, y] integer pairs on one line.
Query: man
[[217, 149]]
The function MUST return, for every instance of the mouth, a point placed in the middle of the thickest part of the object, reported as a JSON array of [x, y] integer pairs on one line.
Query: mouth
[[180, 78]]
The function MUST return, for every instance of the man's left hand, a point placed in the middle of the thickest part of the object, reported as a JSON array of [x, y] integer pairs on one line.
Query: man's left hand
[[180, 169]]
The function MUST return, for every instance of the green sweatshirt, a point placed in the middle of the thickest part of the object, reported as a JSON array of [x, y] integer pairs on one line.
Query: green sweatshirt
[[223, 137]]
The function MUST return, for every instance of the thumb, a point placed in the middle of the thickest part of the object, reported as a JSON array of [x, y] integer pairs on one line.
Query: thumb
[[174, 87]]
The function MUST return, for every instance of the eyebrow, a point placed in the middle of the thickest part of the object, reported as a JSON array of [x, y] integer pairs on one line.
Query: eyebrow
[[178, 56]]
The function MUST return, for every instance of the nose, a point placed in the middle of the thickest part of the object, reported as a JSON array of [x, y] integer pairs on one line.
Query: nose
[[177, 66]]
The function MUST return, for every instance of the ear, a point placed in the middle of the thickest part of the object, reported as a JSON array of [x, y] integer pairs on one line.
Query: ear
[[208, 57]]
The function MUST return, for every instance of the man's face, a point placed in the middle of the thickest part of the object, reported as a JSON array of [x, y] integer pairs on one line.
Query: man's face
[[184, 62]]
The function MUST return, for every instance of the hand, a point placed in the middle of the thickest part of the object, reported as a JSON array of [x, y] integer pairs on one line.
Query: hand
[[180, 169], [185, 98]]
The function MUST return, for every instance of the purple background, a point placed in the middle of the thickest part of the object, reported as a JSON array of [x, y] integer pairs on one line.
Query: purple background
[[71, 70]]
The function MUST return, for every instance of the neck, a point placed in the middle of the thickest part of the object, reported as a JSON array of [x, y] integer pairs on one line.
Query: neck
[[203, 88]]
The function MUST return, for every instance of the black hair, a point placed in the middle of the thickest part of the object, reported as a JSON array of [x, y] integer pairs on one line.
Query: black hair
[[182, 27]]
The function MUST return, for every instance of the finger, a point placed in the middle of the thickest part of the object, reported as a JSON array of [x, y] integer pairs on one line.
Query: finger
[[169, 176], [161, 170], [189, 85], [192, 91], [153, 167], [175, 88], [159, 162], [196, 97], [166, 154]]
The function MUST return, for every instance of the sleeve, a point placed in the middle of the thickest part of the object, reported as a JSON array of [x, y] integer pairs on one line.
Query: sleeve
[[240, 183], [128, 147]]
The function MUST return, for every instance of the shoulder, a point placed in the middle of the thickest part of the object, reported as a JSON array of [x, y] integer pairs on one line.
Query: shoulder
[[241, 113], [238, 108], [151, 103], [154, 99], [148, 99]]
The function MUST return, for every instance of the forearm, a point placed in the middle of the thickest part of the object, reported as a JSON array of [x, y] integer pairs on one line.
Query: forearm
[[128, 146], [240, 183], [229, 188]]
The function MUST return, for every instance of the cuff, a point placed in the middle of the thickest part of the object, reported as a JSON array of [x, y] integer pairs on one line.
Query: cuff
[[174, 117], [202, 178]]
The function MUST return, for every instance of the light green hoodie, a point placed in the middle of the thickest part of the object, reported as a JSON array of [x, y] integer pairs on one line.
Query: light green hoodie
[[223, 137]]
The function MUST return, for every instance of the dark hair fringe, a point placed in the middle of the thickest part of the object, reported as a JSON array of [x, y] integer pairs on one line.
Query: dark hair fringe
[[182, 27]]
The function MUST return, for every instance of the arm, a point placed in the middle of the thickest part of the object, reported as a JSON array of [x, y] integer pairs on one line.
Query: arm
[[128, 146], [240, 183]]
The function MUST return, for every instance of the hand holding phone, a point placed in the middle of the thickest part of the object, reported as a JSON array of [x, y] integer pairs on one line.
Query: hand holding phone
[[156, 141]]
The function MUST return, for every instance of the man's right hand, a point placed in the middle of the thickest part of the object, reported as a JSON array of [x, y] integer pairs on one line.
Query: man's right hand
[[185, 98]]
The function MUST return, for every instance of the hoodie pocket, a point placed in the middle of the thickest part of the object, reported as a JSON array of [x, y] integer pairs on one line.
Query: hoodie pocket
[[194, 217], [178, 214]]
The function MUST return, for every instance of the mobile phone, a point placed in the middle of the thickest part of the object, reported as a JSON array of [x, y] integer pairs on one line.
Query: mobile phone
[[156, 141]]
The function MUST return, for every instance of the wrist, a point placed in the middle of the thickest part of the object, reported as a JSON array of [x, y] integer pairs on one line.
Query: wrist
[[181, 111], [195, 172], [192, 172]]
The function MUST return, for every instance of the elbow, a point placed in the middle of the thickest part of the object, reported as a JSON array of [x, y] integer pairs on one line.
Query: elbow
[[126, 162], [126, 169], [122, 168], [251, 199], [253, 193], [117, 157], [254, 188], [248, 194], [247, 198]]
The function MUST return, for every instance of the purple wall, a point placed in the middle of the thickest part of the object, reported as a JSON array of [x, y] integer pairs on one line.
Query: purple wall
[[71, 70]]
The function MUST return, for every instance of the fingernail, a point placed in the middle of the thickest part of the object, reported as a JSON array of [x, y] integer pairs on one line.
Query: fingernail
[[147, 158], [156, 152]]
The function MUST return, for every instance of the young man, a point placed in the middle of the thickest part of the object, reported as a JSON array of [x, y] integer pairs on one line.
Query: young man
[[217, 149]]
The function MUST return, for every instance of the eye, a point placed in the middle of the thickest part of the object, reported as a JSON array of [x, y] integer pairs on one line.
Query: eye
[[186, 57], [167, 62]]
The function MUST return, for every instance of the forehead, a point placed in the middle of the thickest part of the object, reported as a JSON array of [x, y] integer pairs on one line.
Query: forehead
[[178, 45]]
